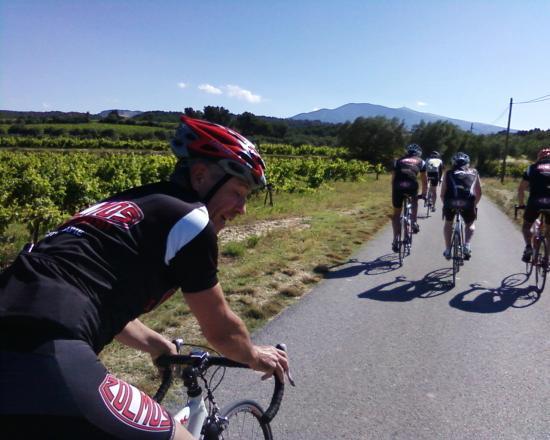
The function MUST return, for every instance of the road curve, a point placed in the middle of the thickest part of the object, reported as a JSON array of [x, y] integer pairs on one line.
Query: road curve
[[386, 352]]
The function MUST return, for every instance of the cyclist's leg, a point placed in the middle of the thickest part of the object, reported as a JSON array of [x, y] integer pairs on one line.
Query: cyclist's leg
[[469, 215], [111, 404], [448, 215], [397, 202], [529, 217], [414, 206]]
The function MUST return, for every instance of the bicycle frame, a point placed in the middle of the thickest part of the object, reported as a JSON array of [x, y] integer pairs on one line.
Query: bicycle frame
[[193, 415], [405, 225]]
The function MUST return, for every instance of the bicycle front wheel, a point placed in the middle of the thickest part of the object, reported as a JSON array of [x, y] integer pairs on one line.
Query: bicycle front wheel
[[540, 261], [244, 422]]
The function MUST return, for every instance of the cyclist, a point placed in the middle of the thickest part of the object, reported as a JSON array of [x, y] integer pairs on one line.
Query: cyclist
[[461, 188], [434, 168], [405, 181], [536, 180], [87, 283]]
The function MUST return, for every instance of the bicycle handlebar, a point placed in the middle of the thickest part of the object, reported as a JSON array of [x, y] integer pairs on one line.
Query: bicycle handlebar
[[207, 361]]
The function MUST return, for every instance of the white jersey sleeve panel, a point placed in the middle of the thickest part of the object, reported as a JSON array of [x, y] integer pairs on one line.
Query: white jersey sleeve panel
[[185, 230]]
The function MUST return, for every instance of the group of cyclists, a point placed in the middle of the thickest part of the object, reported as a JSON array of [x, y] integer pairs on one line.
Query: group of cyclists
[[66, 297], [460, 187]]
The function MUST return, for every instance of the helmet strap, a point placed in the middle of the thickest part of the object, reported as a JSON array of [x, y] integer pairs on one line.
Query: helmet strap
[[215, 188]]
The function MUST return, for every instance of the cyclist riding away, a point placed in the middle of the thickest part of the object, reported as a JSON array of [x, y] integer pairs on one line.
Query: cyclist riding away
[[536, 180], [85, 284], [405, 182], [434, 169], [461, 188]]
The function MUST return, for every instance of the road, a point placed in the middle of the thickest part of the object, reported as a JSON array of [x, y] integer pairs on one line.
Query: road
[[386, 352]]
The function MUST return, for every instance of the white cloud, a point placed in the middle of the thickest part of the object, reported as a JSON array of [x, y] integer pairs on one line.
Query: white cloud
[[210, 89], [240, 93], [421, 104], [182, 85], [46, 106], [315, 109]]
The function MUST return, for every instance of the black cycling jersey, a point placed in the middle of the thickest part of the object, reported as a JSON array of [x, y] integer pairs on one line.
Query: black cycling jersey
[[538, 176], [460, 183], [408, 167], [113, 262]]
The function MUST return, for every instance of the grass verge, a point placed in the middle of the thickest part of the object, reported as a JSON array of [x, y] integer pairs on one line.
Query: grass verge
[[504, 195]]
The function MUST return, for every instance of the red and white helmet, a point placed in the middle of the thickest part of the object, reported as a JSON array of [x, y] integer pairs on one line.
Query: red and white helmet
[[543, 153], [238, 156]]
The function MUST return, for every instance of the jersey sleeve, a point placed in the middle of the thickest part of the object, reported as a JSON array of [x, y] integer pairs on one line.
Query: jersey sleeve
[[526, 174], [195, 266], [423, 166], [192, 252]]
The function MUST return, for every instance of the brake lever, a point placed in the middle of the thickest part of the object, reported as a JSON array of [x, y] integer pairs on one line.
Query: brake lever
[[288, 375]]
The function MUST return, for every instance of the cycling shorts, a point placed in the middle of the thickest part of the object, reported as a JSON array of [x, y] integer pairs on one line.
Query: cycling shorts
[[433, 178], [60, 390], [402, 188], [469, 211], [532, 211]]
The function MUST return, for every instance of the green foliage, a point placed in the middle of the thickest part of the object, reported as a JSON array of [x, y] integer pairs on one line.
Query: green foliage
[[374, 139], [233, 249]]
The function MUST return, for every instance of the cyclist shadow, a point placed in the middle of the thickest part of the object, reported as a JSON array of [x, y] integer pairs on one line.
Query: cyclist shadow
[[510, 293], [384, 264], [433, 284]]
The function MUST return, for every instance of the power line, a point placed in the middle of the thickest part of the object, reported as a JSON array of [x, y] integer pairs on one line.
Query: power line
[[500, 116], [539, 99]]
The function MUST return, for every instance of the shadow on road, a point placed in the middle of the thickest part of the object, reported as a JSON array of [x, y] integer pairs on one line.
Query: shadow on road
[[480, 299], [385, 263], [402, 290]]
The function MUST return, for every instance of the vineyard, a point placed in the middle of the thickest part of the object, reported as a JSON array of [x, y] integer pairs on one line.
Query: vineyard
[[39, 189]]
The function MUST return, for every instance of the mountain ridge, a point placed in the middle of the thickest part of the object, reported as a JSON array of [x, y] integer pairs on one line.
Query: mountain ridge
[[351, 111]]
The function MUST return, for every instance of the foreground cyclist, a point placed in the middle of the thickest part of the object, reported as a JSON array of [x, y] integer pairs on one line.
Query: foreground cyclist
[[434, 170], [404, 181], [461, 188], [89, 281], [536, 180]]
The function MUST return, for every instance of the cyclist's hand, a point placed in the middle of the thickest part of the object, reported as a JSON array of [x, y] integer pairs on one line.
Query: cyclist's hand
[[270, 360], [169, 348]]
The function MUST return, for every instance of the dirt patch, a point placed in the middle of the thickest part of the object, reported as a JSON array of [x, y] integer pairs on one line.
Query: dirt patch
[[242, 232]]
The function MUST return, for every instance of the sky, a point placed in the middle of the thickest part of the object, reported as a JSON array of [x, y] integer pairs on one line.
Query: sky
[[460, 59]]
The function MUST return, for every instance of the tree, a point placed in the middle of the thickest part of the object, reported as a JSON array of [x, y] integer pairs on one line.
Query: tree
[[218, 115], [193, 113], [376, 139], [439, 136]]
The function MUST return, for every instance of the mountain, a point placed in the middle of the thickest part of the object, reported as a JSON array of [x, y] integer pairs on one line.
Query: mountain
[[121, 113], [350, 112]]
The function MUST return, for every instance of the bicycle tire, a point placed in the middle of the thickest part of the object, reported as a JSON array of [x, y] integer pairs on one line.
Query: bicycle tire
[[429, 202], [401, 239], [245, 422], [456, 247], [540, 258]]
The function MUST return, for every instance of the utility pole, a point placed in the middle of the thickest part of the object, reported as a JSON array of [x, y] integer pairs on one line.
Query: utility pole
[[503, 170]]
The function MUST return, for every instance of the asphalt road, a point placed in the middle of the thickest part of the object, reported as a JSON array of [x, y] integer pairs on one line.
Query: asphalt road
[[386, 352]]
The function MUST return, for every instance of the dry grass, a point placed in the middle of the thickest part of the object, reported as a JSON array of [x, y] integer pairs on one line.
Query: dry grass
[[503, 194]]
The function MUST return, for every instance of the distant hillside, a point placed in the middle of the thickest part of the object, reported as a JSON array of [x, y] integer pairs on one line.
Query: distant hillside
[[350, 112], [122, 113]]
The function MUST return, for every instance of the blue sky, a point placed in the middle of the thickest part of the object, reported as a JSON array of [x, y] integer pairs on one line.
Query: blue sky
[[461, 59]]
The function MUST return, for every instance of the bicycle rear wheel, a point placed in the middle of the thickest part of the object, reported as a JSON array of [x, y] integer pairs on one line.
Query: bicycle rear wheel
[[402, 244], [456, 247], [540, 263], [244, 422]]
